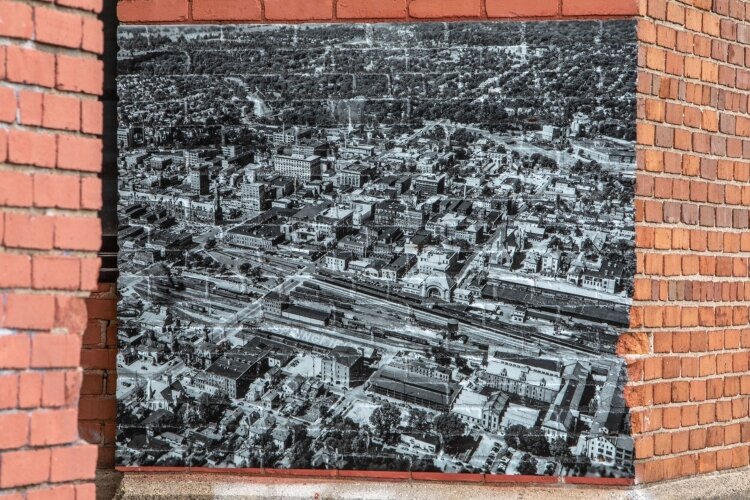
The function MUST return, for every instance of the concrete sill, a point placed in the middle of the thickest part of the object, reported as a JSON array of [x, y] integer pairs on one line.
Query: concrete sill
[[131, 485]]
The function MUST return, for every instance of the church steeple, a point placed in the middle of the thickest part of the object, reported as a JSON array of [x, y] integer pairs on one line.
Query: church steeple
[[218, 216]]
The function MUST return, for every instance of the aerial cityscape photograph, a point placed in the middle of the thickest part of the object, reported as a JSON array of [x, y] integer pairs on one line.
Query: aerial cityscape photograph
[[390, 247]]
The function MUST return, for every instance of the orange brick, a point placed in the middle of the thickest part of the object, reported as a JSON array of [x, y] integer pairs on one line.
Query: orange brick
[[438, 9], [56, 27], [30, 66], [153, 10], [310, 10], [226, 10], [16, 20]]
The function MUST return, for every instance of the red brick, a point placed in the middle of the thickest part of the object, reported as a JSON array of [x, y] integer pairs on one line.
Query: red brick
[[14, 430], [55, 351], [521, 8], [28, 231], [92, 35], [56, 27], [79, 74], [366, 9], [30, 66], [8, 391], [226, 10], [78, 233], [73, 380], [91, 193], [97, 408], [439, 9], [90, 273], [54, 388], [51, 427], [86, 491], [16, 20], [152, 10], [310, 10], [20, 468], [90, 5], [14, 351], [101, 309], [79, 153], [15, 190], [16, 272], [59, 273], [92, 116], [27, 147], [93, 384], [24, 311], [599, 8], [63, 492], [30, 107], [30, 390], [73, 463], [70, 313], [56, 190], [61, 112], [8, 107]]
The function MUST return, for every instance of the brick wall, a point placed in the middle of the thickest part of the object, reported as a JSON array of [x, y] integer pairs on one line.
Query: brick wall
[[688, 347], [50, 153], [689, 352]]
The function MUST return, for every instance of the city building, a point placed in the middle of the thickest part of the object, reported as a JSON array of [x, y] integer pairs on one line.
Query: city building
[[531, 377], [428, 392], [233, 372], [304, 168], [430, 185], [343, 366], [199, 182], [254, 196]]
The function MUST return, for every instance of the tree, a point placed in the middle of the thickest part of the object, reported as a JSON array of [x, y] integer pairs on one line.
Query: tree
[[561, 451], [558, 448], [527, 465], [449, 427], [514, 435], [419, 421], [385, 420], [535, 442], [582, 465]]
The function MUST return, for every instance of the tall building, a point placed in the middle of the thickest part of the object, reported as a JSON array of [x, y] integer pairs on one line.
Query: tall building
[[304, 168], [291, 135], [254, 196], [343, 366], [192, 157], [199, 180], [430, 184], [124, 138]]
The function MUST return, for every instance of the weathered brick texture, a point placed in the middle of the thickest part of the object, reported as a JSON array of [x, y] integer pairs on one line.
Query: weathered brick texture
[[689, 384], [50, 80], [688, 348]]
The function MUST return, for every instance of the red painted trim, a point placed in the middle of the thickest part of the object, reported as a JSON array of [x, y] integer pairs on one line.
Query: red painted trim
[[441, 476], [506, 479], [387, 475], [375, 474], [604, 481]]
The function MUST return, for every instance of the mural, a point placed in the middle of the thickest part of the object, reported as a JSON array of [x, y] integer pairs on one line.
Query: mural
[[377, 247]]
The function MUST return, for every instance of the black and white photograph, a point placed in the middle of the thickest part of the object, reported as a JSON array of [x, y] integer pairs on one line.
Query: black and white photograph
[[382, 247]]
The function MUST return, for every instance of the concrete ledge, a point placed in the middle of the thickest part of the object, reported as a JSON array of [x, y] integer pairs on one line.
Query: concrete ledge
[[727, 485]]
